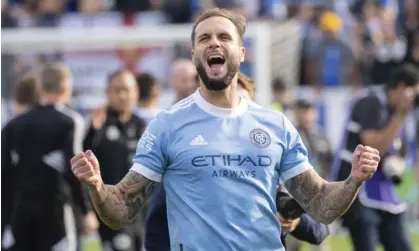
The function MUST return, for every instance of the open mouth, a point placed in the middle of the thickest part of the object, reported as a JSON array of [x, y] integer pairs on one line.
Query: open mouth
[[215, 60]]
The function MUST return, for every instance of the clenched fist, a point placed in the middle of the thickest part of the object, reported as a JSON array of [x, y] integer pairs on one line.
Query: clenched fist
[[85, 167], [364, 163]]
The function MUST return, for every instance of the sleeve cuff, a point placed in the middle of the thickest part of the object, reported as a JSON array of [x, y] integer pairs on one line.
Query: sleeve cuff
[[291, 173], [146, 172]]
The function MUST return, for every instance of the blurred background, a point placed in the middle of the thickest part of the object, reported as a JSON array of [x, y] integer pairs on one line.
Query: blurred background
[[325, 51]]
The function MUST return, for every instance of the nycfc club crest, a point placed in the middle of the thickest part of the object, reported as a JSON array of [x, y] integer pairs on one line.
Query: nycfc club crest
[[259, 138]]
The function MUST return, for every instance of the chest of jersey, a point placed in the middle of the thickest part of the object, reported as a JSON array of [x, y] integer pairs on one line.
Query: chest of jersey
[[227, 149]]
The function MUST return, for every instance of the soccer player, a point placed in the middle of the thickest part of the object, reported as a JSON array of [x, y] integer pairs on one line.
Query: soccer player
[[36, 149], [220, 158], [156, 228]]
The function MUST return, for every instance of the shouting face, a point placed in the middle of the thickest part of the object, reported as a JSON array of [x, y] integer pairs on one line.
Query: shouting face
[[218, 52]]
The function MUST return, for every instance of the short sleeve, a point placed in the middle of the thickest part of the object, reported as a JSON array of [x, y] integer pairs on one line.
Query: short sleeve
[[149, 159], [366, 114], [294, 159]]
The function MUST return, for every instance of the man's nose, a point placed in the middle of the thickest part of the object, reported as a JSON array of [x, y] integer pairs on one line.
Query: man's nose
[[214, 42]]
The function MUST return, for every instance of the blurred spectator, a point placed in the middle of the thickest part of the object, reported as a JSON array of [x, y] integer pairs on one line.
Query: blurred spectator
[[26, 94], [318, 146], [113, 135], [411, 29], [179, 11], [49, 12], [7, 19], [331, 60], [8, 60], [91, 7], [314, 138], [281, 96], [131, 6], [388, 48], [183, 78], [149, 91]]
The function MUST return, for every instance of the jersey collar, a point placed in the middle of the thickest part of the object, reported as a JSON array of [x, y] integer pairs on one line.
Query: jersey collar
[[218, 111]]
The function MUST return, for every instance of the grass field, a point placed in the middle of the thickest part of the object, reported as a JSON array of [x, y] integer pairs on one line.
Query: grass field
[[335, 243]]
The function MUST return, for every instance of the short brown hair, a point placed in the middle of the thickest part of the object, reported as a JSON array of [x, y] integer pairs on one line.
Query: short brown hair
[[247, 83], [238, 20], [27, 91], [54, 77]]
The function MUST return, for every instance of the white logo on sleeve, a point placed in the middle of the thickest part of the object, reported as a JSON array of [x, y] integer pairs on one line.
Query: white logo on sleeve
[[198, 141], [147, 141]]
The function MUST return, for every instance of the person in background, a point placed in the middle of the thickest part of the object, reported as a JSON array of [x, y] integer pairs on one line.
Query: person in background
[[378, 119], [37, 146], [149, 91], [183, 78], [282, 98], [387, 46], [411, 29], [281, 95], [27, 93], [318, 147], [314, 138], [330, 60], [113, 135], [296, 223]]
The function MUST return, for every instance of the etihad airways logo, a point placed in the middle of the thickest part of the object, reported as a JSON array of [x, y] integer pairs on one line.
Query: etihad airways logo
[[231, 160]]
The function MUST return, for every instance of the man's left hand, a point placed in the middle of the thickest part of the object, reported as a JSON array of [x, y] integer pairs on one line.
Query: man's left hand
[[364, 163], [288, 225]]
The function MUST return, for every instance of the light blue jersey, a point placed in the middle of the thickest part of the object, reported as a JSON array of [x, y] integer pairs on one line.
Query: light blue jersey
[[220, 169]]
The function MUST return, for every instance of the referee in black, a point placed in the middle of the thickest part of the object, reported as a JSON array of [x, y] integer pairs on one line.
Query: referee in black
[[36, 150]]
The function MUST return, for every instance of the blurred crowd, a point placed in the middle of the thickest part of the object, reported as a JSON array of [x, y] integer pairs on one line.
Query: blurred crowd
[[345, 42]]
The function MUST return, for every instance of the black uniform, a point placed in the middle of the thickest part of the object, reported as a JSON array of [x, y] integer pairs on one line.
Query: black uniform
[[37, 147], [370, 223], [114, 145]]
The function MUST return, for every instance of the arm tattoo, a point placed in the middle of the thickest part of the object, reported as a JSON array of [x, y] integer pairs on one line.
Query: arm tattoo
[[324, 201], [119, 204]]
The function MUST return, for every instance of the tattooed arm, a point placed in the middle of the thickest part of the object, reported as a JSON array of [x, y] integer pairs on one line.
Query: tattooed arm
[[119, 204], [324, 201]]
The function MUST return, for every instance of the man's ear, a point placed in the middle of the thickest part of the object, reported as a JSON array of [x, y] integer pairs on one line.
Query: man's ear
[[242, 54], [192, 55]]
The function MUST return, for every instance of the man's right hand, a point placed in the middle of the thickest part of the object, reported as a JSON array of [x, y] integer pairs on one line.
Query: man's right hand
[[85, 167]]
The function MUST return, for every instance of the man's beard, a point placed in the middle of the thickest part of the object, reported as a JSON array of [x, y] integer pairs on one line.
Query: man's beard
[[220, 83]]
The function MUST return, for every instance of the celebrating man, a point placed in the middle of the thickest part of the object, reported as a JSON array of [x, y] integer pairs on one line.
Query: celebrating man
[[220, 157]]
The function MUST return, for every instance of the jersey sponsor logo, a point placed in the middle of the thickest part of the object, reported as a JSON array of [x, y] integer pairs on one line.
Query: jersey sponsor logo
[[259, 138], [231, 160], [147, 141], [224, 173]]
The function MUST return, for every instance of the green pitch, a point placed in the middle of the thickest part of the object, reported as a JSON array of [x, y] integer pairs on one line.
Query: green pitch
[[335, 243]]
